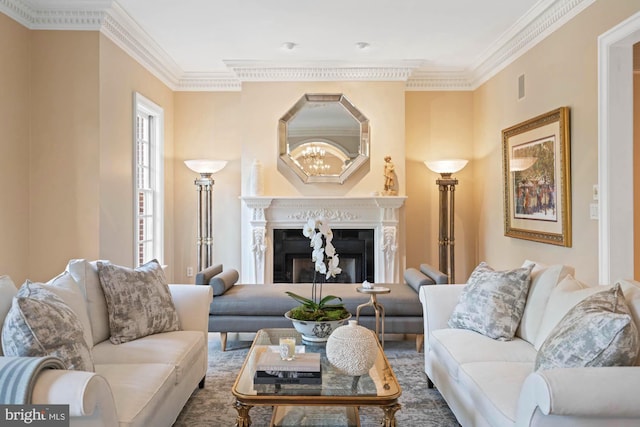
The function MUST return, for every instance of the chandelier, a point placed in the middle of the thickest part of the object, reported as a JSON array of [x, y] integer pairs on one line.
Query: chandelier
[[313, 158]]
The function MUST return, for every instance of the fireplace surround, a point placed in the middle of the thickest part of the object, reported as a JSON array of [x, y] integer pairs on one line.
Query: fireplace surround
[[263, 215]]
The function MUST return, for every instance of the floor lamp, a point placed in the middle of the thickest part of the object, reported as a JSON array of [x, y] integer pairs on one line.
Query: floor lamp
[[447, 187], [204, 185]]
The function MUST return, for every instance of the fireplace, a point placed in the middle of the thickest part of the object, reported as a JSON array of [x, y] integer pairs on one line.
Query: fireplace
[[292, 256], [265, 217]]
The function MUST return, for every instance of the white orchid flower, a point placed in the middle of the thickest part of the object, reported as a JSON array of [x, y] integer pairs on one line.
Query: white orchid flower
[[317, 255], [309, 229], [323, 226], [333, 269], [329, 249], [316, 241], [321, 267]]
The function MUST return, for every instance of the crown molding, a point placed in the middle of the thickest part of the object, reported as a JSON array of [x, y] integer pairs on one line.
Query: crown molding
[[109, 18], [542, 20]]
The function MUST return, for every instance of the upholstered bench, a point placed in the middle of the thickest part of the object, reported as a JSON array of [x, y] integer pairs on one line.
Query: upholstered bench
[[250, 307]]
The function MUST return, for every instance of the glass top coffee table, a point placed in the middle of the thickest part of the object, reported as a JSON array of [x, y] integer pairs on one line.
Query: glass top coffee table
[[332, 403]]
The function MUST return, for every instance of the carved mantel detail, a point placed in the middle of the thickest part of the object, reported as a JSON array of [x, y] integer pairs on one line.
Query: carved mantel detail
[[268, 213]]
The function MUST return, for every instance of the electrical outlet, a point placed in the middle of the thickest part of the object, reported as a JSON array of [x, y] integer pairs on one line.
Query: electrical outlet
[[189, 271], [593, 211]]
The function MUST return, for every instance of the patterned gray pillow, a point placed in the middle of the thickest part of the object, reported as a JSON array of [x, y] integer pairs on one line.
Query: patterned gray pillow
[[598, 331], [138, 301], [39, 323], [492, 302]]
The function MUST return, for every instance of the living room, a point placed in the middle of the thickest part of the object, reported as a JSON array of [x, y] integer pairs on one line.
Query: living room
[[67, 122], [66, 156]]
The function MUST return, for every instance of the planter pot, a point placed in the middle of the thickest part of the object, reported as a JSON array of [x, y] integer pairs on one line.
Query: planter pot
[[316, 332]]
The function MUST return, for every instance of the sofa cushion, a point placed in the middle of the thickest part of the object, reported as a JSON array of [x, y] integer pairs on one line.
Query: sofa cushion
[[455, 347], [492, 302], [416, 279], [222, 282], [494, 388], [65, 287], [138, 389], [565, 296], [631, 290], [7, 291], [598, 331], [543, 280], [182, 349], [138, 301], [85, 274], [39, 323]]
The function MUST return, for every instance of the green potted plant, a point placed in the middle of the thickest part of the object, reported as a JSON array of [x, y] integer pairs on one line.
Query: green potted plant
[[316, 317]]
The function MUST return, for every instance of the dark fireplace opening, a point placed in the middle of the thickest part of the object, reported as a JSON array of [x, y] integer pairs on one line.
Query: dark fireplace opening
[[292, 256]]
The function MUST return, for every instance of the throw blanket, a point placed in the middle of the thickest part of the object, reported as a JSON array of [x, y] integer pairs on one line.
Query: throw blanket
[[18, 376]]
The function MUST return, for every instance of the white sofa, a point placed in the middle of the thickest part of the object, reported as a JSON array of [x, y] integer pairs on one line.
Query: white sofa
[[492, 383], [144, 382]]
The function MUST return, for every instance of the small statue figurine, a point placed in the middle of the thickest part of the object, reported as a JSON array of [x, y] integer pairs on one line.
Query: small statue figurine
[[389, 177]]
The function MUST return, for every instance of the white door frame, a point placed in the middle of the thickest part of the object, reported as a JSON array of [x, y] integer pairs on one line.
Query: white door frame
[[615, 150]]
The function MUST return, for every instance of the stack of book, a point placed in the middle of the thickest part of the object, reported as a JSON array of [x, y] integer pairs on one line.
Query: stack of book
[[304, 369]]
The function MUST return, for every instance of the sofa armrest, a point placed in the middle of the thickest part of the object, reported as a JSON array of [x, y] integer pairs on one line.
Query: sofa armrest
[[605, 393], [438, 303], [88, 395], [192, 303]]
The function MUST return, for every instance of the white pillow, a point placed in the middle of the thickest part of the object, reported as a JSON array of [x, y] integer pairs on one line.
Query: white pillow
[[85, 274], [563, 298], [544, 278]]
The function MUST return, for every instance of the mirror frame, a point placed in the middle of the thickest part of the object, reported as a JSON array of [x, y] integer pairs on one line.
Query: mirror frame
[[286, 161]]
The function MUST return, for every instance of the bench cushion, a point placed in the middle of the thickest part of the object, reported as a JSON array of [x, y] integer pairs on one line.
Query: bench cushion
[[271, 300]]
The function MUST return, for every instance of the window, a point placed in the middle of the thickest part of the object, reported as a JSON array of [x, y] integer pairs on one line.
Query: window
[[148, 191]]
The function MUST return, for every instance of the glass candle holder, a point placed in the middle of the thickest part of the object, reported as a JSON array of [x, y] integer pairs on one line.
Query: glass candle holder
[[287, 348]]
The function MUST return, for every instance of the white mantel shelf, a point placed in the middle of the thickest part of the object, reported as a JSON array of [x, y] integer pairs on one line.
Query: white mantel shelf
[[267, 213]]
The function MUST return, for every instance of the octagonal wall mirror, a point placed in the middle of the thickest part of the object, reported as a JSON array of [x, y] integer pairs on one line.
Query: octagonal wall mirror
[[323, 138]]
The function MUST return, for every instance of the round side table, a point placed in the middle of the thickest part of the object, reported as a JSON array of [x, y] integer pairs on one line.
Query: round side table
[[377, 307]]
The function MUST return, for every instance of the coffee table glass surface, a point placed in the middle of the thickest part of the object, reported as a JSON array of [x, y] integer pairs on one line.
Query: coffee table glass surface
[[377, 388]]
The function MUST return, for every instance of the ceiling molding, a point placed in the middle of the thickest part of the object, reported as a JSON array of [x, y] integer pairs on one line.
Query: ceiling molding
[[109, 18], [531, 29]]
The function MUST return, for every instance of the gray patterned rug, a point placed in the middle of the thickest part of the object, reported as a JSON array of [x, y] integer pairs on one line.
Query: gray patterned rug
[[212, 406]]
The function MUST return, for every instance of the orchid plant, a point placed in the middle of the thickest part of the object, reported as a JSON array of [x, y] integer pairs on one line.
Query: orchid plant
[[326, 262]]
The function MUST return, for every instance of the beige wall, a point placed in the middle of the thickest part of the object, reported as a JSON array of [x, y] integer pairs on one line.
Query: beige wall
[[14, 149], [636, 170], [560, 71], [64, 164], [119, 77], [439, 125]]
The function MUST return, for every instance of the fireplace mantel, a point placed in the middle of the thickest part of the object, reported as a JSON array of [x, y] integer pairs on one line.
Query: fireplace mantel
[[380, 213]]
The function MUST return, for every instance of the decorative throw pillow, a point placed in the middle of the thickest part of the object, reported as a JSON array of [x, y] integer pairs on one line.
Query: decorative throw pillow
[[544, 279], [39, 323], [138, 301], [599, 331], [563, 298], [492, 302], [222, 282]]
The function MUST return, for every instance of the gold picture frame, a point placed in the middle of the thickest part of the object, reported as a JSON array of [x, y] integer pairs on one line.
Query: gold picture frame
[[537, 179]]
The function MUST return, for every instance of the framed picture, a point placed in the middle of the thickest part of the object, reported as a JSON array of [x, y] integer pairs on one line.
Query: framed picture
[[537, 179]]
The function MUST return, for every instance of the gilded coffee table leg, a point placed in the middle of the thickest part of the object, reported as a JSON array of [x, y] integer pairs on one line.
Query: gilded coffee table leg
[[243, 420], [390, 414]]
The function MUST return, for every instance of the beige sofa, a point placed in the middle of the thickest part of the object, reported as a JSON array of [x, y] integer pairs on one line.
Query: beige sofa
[[493, 383], [144, 382]]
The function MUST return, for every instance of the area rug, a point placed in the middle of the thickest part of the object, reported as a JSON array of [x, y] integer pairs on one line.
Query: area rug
[[212, 406]]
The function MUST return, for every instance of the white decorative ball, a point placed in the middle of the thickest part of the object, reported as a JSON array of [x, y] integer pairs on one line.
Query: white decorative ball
[[352, 349]]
